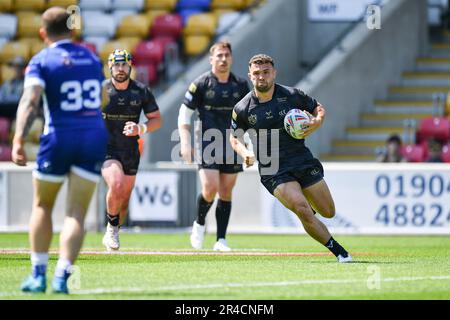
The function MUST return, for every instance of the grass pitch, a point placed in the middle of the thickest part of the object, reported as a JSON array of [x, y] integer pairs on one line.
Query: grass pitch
[[261, 267]]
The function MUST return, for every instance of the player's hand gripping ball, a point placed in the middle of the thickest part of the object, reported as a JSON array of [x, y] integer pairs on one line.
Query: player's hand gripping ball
[[295, 123]]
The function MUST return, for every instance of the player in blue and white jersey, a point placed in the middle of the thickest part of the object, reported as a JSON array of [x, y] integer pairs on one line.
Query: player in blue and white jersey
[[73, 144]]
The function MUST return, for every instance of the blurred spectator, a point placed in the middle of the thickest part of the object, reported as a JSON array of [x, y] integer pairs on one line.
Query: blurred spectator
[[392, 151], [11, 90], [434, 151]]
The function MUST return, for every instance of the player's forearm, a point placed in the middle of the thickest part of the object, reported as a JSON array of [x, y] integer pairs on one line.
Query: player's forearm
[[27, 112], [185, 133], [153, 124], [238, 145]]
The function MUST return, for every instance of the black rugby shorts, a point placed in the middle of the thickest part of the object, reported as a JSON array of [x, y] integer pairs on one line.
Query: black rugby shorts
[[306, 175], [128, 158]]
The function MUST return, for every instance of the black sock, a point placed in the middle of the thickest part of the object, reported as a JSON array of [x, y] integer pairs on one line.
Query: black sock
[[336, 248], [223, 211], [202, 209], [113, 220]]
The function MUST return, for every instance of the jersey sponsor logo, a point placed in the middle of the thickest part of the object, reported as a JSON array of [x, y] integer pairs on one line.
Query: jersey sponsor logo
[[210, 94], [192, 88], [252, 119]]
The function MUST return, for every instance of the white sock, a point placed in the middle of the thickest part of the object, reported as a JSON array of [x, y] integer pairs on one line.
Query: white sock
[[39, 259], [62, 266]]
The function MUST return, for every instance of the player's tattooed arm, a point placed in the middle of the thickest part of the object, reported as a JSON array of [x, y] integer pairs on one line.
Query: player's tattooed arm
[[27, 112]]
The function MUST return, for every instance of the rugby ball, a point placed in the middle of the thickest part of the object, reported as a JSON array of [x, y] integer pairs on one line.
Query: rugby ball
[[295, 123]]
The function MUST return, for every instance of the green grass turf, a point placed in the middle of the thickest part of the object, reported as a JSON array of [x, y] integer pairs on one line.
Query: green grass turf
[[407, 267]]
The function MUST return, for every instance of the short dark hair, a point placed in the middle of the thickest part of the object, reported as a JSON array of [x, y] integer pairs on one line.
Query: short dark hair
[[220, 44], [54, 21], [394, 138], [261, 59]]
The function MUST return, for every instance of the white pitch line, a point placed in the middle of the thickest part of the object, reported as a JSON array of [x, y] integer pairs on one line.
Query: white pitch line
[[185, 253], [256, 284], [232, 285]]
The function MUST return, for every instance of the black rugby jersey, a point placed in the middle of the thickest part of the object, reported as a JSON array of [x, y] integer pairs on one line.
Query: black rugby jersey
[[265, 117], [126, 105], [214, 101]]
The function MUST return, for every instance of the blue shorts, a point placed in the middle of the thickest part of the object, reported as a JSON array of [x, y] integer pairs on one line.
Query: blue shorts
[[81, 152]]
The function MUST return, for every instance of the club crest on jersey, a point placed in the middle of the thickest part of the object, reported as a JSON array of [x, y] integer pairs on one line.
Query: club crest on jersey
[[210, 94], [236, 95], [135, 103], [252, 119]]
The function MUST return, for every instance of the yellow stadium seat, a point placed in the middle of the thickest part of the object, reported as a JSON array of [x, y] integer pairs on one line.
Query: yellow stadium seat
[[248, 3], [21, 15], [195, 44], [36, 5], [6, 5], [130, 42], [28, 24], [201, 24], [14, 49], [61, 3], [219, 12], [152, 14], [228, 4], [36, 47], [30, 40], [6, 72], [110, 46], [160, 4], [134, 25], [35, 44]]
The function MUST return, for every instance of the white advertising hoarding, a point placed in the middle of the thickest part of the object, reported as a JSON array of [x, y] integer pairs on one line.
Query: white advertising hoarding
[[379, 199], [338, 10], [155, 197]]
